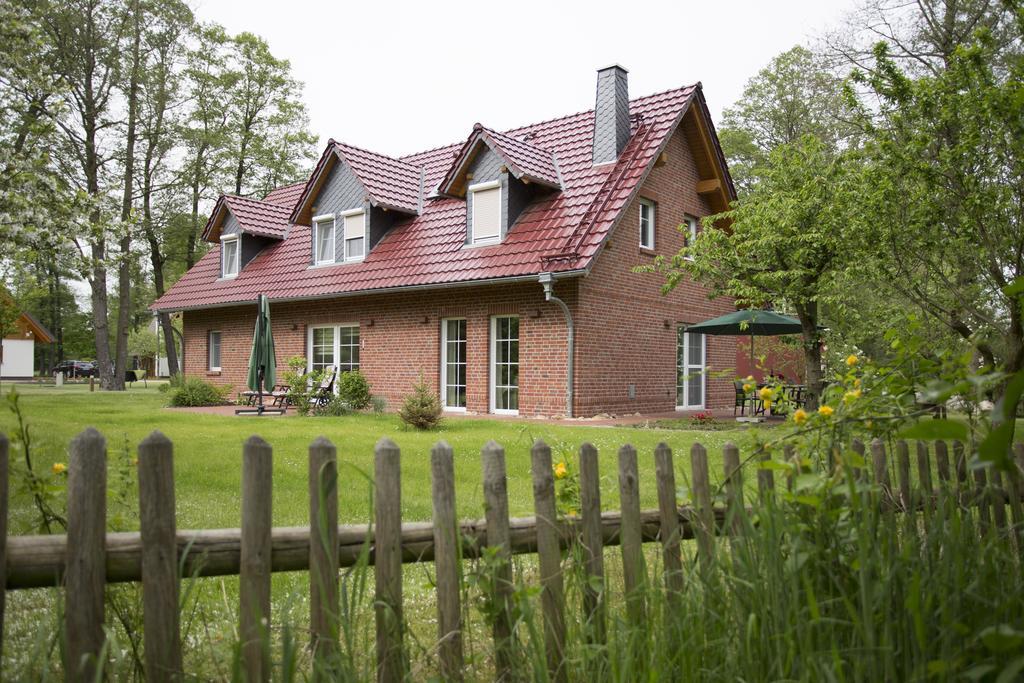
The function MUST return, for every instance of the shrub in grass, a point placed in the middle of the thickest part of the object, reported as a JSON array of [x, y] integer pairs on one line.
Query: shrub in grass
[[354, 390], [193, 392], [421, 409], [336, 407], [379, 404]]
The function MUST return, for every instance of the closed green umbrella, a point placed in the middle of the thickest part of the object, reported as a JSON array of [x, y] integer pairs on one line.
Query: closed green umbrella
[[749, 321], [262, 365]]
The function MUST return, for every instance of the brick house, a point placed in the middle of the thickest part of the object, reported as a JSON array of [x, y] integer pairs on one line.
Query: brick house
[[499, 269]]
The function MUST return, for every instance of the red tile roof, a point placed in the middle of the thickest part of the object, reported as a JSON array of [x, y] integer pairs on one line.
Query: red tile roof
[[287, 195], [256, 217], [561, 232], [526, 161]]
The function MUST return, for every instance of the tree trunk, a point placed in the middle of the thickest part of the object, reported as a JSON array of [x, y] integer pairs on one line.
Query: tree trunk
[[808, 315], [124, 270]]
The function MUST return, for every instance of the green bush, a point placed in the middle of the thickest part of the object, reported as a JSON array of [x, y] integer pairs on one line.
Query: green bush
[[421, 409], [379, 403], [354, 390], [192, 392]]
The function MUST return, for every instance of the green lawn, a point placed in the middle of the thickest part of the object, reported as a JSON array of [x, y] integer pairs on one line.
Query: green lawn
[[208, 452]]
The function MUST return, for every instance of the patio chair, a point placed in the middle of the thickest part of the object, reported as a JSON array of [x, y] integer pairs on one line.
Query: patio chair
[[324, 392], [741, 399]]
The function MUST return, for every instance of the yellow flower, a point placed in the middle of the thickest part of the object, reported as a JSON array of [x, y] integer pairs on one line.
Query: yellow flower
[[750, 378], [135, 461], [851, 360], [826, 410], [765, 393], [59, 468], [869, 424], [856, 382], [851, 396], [800, 416], [747, 388], [572, 512], [561, 470]]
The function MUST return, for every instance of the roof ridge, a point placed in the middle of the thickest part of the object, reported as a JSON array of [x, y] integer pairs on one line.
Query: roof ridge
[[509, 131], [370, 151]]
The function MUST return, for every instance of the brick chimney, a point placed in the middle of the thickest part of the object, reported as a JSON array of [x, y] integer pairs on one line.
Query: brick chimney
[[611, 114]]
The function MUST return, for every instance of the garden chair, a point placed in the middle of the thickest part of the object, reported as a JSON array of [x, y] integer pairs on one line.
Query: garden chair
[[324, 392], [741, 399]]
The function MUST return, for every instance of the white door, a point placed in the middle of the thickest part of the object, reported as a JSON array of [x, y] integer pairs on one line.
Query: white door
[[505, 365], [690, 365], [453, 364]]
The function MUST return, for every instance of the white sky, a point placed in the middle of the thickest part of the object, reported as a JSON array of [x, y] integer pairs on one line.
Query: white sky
[[399, 77]]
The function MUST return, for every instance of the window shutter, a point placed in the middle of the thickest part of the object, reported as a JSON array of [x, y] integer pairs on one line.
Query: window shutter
[[486, 214]]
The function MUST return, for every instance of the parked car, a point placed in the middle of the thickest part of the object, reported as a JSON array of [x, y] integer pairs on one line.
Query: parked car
[[75, 368]]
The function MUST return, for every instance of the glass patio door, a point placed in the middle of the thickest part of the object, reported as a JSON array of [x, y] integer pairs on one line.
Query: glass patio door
[[690, 366]]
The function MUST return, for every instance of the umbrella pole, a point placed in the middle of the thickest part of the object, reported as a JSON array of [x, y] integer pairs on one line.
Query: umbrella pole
[[751, 353]]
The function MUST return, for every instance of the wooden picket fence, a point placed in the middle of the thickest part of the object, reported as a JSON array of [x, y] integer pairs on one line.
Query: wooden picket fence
[[88, 557]]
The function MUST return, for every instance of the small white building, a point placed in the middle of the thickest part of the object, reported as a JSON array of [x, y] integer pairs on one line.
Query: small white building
[[17, 359]]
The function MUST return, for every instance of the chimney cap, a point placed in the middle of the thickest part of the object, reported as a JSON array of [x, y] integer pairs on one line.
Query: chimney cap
[[613, 66]]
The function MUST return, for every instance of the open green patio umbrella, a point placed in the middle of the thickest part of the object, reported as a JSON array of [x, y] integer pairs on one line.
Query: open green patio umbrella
[[262, 366], [750, 321]]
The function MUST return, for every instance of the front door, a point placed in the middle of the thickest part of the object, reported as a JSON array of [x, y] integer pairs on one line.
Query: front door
[[690, 366]]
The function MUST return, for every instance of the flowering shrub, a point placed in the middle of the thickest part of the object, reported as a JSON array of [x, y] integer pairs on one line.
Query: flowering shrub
[[567, 488]]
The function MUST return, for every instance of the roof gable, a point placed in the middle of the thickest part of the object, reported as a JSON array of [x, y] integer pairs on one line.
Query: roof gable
[[525, 161], [254, 217], [388, 183]]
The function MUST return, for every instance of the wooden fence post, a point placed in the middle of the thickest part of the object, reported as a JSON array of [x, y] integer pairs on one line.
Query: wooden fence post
[[160, 578], [254, 569], [550, 559], [858, 447], [960, 463], [734, 487], [633, 572], [593, 541], [924, 475], [1018, 452], [981, 500], [788, 454], [492, 458], [387, 535], [765, 477], [997, 498], [324, 608], [86, 571], [669, 514], [4, 493], [704, 524], [881, 471], [447, 556], [1013, 479], [942, 463], [903, 475]]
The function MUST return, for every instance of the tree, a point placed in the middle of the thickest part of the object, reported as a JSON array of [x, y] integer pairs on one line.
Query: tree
[[786, 242], [268, 119], [795, 95], [941, 198]]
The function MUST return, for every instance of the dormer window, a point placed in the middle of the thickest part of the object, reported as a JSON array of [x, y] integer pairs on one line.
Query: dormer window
[[646, 224], [323, 240], [229, 256], [354, 231], [486, 216]]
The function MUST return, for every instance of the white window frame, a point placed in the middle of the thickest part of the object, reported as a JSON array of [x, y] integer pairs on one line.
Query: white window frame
[[335, 346], [647, 203], [682, 398], [209, 350], [478, 188], [444, 365], [493, 380], [317, 221], [344, 235], [224, 241], [691, 235]]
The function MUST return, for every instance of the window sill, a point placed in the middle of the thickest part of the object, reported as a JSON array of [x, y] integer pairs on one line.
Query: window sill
[[225, 278], [332, 264], [648, 251], [213, 373], [461, 411], [485, 243]]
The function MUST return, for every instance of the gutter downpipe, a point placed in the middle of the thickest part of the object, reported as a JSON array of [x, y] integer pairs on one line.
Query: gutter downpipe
[[547, 281]]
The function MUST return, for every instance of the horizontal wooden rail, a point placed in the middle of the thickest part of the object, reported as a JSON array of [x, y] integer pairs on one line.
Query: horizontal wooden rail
[[39, 561]]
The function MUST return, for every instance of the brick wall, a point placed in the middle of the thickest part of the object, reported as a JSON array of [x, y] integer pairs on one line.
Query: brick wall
[[626, 327], [396, 345]]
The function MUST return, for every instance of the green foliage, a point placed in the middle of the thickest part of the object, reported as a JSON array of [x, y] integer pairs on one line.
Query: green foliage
[[193, 392], [421, 409], [354, 390], [794, 96], [336, 406]]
